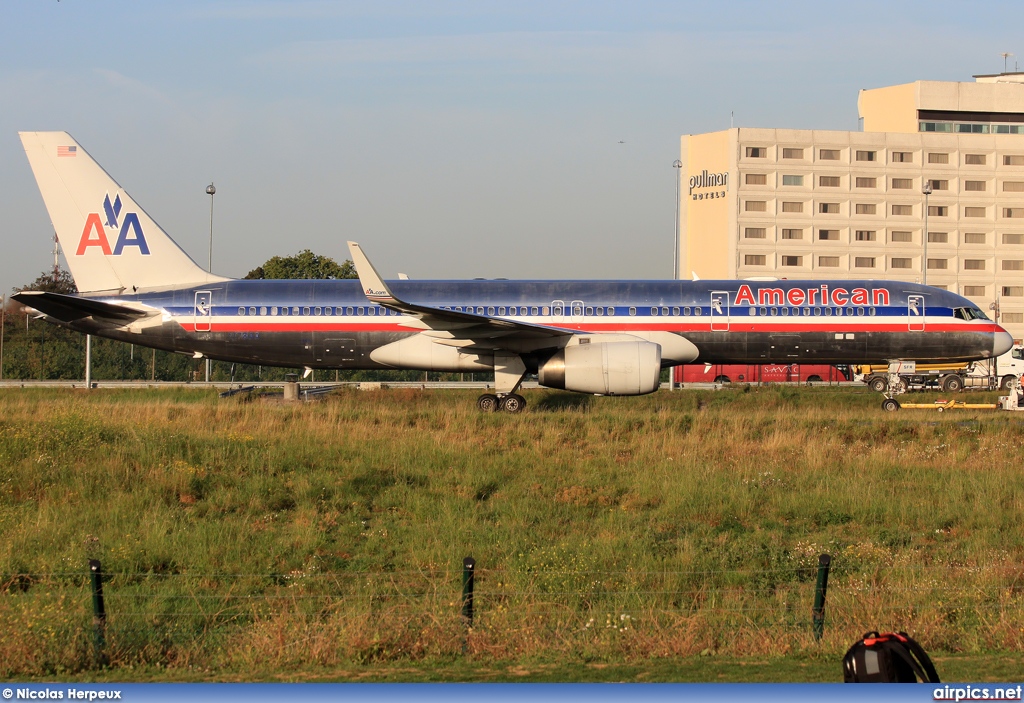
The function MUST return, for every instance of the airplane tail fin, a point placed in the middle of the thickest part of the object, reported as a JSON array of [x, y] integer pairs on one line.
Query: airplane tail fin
[[110, 243]]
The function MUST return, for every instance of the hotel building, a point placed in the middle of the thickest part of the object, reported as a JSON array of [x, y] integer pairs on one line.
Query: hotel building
[[793, 203]]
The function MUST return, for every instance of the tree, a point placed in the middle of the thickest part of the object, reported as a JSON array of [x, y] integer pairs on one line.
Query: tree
[[305, 264]]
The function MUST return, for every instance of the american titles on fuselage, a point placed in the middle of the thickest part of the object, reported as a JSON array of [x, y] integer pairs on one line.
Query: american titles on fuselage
[[818, 295]]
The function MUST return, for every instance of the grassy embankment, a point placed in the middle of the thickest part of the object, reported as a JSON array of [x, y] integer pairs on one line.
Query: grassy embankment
[[670, 536]]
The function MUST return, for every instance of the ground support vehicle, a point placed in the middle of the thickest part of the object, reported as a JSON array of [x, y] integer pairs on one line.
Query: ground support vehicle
[[759, 373], [947, 377]]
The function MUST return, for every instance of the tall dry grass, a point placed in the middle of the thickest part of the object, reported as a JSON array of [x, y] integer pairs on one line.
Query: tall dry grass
[[252, 536]]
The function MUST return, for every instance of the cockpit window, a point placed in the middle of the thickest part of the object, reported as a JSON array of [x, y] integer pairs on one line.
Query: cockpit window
[[969, 314]]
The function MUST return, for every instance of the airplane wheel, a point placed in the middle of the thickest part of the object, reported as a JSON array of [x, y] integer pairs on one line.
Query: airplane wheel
[[487, 403], [890, 405], [513, 403]]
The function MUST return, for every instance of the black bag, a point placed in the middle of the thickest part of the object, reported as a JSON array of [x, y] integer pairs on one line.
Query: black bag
[[892, 657]]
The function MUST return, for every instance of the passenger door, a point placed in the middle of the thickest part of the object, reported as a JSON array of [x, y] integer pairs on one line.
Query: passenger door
[[719, 311], [202, 313], [915, 313]]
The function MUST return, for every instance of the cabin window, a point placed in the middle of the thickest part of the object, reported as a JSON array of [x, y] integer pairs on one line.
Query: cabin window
[[871, 311], [295, 311], [318, 310], [698, 311], [263, 310], [632, 311], [533, 310], [590, 311], [348, 310], [241, 311], [753, 312], [654, 311], [611, 310], [480, 310], [273, 310], [545, 310], [252, 310], [686, 311], [774, 312], [807, 311], [664, 311], [557, 310], [501, 310], [284, 311], [600, 311], [785, 312]]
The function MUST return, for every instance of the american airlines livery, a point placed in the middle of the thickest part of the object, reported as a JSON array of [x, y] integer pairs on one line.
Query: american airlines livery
[[602, 337]]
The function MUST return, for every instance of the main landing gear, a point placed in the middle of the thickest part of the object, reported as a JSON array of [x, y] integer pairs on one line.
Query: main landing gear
[[511, 403], [509, 371]]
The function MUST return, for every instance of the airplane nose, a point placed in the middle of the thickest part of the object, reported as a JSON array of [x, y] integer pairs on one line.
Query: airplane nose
[[1002, 342]]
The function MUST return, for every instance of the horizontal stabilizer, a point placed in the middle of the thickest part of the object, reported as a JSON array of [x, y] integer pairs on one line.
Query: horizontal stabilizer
[[68, 308]]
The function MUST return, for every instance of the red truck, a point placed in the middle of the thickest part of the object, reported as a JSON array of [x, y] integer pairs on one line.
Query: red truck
[[763, 373]]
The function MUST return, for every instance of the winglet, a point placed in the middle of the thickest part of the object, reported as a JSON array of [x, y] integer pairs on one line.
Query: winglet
[[374, 287]]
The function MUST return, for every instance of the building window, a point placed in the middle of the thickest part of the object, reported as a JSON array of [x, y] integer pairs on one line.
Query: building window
[[899, 263], [755, 206], [898, 236], [866, 155], [938, 211], [1013, 291], [828, 154], [1011, 317], [974, 264], [864, 262], [865, 235], [1013, 265], [902, 183], [792, 234], [974, 212], [902, 210], [1013, 160], [974, 291], [939, 184], [863, 182], [1013, 186], [828, 181], [937, 263], [792, 180], [792, 261], [831, 235], [755, 233], [975, 238], [792, 207], [902, 157], [938, 158], [754, 259], [828, 261], [938, 237], [756, 179], [757, 152], [866, 208], [792, 153], [828, 208], [974, 159], [1013, 212], [1013, 238], [975, 186]]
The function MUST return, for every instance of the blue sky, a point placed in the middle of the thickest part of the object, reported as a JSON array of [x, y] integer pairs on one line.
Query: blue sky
[[451, 139]]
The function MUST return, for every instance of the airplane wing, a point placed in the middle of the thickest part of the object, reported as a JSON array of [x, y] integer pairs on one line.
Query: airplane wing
[[69, 308], [462, 329]]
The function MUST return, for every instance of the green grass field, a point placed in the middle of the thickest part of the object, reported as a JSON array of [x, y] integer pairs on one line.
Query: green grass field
[[668, 537]]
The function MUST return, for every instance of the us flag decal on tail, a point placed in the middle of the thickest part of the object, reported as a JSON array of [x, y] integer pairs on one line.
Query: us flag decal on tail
[[67, 151]]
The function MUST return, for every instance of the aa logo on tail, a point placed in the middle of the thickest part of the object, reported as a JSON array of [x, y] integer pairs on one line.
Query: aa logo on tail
[[129, 232]]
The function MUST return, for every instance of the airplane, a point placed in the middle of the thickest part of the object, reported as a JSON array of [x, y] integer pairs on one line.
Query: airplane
[[599, 337]]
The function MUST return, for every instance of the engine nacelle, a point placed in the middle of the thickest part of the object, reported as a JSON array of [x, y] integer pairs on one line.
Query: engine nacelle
[[604, 368]]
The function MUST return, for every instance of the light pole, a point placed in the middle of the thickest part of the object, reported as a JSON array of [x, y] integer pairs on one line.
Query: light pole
[[211, 190], [926, 188], [678, 166]]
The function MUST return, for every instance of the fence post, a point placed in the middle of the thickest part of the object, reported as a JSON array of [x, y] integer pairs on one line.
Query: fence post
[[99, 612], [820, 588], [468, 579]]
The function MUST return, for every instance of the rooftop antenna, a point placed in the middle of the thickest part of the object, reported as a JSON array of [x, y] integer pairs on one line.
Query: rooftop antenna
[[1006, 55]]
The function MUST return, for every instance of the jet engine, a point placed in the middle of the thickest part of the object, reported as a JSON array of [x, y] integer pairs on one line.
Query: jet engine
[[630, 367]]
